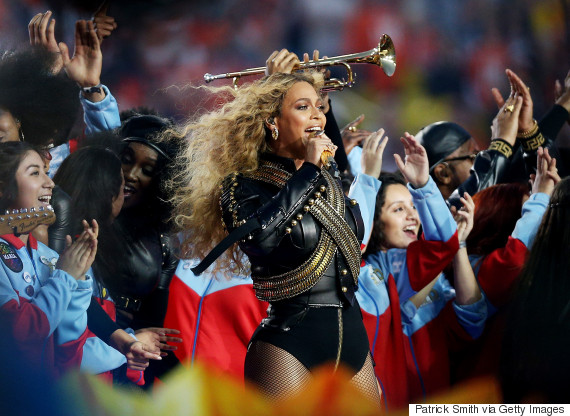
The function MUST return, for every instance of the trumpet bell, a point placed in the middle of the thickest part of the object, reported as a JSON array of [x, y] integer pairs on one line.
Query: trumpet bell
[[387, 55]]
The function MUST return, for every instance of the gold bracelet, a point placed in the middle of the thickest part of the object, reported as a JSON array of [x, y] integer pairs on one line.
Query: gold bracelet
[[533, 143], [528, 133]]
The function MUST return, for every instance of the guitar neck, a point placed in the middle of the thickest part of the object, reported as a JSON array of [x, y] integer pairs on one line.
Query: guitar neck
[[25, 220]]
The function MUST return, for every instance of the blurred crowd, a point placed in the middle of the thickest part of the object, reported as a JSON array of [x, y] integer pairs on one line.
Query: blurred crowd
[[449, 54]]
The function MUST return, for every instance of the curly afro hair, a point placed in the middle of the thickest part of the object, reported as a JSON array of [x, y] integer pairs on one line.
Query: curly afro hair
[[45, 104]]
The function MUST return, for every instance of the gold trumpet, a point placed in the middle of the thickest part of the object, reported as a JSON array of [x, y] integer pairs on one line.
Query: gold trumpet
[[384, 55]]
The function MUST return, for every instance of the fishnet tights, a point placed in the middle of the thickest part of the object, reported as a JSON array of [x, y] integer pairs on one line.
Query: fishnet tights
[[278, 373], [275, 371], [365, 381]]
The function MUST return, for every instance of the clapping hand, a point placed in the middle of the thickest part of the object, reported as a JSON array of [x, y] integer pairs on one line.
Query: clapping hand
[[104, 25], [520, 89], [79, 255], [546, 176]]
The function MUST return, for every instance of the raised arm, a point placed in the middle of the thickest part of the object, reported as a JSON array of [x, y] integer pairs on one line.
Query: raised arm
[[466, 288], [508, 261], [366, 185]]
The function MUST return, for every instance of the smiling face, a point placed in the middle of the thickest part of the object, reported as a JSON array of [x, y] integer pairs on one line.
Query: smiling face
[[34, 185], [301, 114], [399, 218], [139, 168], [118, 201]]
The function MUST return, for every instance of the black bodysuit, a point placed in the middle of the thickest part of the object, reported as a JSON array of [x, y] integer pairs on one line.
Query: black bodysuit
[[316, 322]]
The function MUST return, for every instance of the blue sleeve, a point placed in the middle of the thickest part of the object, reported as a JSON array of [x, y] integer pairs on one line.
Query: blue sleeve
[[74, 321], [354, 160], [58, 155], [437, 222], [364, 189], [99, 357], [472, 317], [532, 212], [102, 115]]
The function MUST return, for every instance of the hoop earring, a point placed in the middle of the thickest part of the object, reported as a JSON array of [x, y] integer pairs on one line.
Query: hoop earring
[[275, 133], [21, 134]]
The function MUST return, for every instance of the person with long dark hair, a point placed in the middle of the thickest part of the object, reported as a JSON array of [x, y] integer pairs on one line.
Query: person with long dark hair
[[534, 360], [44, 297], [101, 197]]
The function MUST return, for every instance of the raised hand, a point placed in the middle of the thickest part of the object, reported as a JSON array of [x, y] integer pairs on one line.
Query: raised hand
[[518, 87], [466, 287], [103, 24], [546, 176], [326, 73], [85, 65], [372, 151], [506, 122], [352, 136], [42, 34], [415, 167], [464, 217], [281, 61], [158, 337], [562, 92]]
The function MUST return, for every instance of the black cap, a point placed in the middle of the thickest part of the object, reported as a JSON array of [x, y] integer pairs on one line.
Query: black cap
[[441, 139], [145, 129]]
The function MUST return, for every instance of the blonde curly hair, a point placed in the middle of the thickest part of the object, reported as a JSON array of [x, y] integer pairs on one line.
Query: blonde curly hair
[[229, 139]]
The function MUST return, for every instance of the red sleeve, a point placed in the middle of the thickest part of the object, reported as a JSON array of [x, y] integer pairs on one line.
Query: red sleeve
[[69, 355], [500, 270], [28, 322], [427, 259]]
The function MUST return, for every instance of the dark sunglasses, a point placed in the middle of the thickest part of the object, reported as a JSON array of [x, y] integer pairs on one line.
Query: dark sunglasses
[[452, 159]]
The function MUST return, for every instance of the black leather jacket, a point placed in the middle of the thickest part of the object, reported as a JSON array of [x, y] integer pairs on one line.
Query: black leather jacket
[[492, 167], [284, 241], [144, 268]]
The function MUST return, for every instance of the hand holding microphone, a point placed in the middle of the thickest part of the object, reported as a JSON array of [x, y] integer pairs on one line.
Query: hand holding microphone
[[320, 149]]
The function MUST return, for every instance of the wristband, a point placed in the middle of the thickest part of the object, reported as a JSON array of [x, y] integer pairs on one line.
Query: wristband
[[92, 90], [501, 146], [463, 244]]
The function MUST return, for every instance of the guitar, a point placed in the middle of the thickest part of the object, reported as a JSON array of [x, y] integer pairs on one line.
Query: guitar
[[24, 220]]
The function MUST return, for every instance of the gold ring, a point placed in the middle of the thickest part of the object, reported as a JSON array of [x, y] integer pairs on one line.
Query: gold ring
[[509, 108], [352, 129]]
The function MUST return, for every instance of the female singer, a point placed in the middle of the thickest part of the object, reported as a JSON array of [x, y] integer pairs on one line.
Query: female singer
[[259, 158]]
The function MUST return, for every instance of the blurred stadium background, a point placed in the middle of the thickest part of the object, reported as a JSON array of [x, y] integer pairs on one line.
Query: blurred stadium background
[[449, 53]]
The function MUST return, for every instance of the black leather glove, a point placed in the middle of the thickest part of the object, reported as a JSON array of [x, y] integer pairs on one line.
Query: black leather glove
[[63, 224]]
